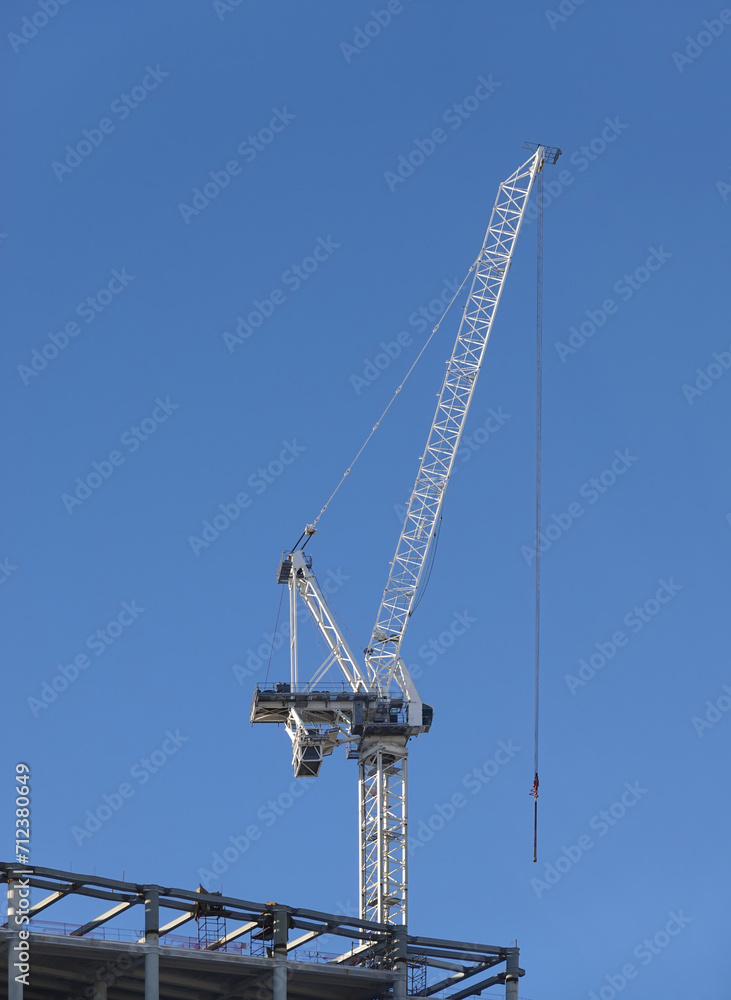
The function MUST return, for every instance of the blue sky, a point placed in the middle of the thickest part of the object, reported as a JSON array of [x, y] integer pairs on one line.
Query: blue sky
[[173, 170]]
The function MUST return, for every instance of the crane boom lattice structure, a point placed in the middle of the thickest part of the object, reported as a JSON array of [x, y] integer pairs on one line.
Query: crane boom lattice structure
[[489, 274], [376, 706]]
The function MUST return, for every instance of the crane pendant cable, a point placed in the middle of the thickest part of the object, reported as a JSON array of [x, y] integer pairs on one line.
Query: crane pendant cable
[[539, 402], [347, 472]]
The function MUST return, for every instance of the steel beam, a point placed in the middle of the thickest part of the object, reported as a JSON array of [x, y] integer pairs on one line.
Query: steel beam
[[50, 900], [184, 918], [102, 919], [477, 988], [478, 949], [231, 936]]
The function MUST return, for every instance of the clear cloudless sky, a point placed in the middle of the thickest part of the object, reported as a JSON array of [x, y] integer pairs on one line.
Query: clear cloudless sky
[[170, 168]]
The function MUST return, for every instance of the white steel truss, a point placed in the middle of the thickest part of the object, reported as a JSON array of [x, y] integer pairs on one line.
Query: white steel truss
[[379, 706], [383, 832], [490, 272], [302, 580]]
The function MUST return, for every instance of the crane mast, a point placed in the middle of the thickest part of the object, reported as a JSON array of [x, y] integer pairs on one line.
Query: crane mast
[[376, 708]]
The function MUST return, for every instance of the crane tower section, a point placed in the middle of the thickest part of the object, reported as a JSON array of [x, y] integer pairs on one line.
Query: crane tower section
[[375, 708]]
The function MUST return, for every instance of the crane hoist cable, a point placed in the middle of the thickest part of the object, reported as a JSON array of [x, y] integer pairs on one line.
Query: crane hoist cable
[[430, 567], [539, 408], [274, 636]]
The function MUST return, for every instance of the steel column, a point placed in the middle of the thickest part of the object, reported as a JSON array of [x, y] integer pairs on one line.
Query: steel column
[[400, 986], [152, 938], [279, 947], [279, 980], [512, 974]]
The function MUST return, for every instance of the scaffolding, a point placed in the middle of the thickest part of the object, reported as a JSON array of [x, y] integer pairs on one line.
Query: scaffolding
[[211, 925]]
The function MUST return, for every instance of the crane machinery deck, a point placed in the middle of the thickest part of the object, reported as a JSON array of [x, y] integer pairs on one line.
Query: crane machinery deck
[[375, 708]]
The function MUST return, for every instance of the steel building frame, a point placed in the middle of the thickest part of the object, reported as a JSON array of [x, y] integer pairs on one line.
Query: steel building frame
[[80, 964]]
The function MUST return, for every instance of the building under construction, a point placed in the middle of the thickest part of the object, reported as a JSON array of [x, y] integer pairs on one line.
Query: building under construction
[[238, 950]]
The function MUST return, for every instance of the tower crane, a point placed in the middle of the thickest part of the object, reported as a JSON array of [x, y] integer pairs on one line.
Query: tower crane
[[376, 708]]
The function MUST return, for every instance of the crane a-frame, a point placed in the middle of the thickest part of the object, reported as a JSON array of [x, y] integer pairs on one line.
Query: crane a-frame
[[377, 709]]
